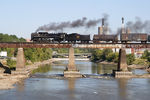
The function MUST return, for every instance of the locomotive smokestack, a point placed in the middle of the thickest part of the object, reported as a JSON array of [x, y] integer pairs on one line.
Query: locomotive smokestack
[[123, 29]]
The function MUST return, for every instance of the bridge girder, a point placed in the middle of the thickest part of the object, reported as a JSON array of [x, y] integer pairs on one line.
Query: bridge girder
[[46, 45]]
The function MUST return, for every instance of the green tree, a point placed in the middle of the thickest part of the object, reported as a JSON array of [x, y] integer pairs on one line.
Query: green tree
[[32, 54], [146, 55], [11, 63], [105, 53], [130, 59], [97, 55], [116, 57]]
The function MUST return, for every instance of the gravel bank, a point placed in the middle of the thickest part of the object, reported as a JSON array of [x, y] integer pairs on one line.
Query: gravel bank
[[7, 81]]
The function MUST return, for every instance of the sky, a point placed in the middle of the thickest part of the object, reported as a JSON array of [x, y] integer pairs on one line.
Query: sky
[[22, 17]]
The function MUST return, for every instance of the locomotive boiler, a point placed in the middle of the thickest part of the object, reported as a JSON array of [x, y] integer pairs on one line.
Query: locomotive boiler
[[45, 37]]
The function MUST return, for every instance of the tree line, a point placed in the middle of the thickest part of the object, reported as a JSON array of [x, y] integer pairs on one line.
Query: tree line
[[110, 56], [31, 54]]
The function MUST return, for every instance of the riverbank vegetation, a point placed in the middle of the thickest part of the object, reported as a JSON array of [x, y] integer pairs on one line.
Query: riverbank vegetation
[[100, 55], [44, 69], [76, 50], [31, 54]]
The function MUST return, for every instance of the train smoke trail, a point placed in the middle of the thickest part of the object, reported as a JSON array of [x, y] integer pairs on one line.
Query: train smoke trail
[[139, 25], [84, 22]]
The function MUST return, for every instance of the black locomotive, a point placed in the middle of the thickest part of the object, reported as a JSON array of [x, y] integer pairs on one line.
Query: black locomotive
[[45, 37], [74, 37]]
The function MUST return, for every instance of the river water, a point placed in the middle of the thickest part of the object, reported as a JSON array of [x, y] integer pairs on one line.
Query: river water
[[43, 88]]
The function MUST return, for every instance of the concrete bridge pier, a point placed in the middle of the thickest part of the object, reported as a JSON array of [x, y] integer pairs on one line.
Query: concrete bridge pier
[[122, 64], [122, 70], [71, 70], [20, 59]]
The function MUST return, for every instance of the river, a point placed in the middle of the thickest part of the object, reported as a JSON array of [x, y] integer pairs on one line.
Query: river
[[43, 88]]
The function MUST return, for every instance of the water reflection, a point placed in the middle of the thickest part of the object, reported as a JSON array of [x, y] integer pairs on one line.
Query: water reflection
[[42, 69], [84, 67], [20, 86], [98, 68], [71, 84], [122, 88], [71, 87]]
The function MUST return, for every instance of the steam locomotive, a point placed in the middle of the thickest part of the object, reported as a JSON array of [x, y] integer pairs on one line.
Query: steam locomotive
[[45, 37]]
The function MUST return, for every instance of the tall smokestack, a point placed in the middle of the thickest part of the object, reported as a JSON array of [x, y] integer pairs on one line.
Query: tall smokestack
[[103, 22], [99, 30], [102, 26], [122, 20], [122, 29]]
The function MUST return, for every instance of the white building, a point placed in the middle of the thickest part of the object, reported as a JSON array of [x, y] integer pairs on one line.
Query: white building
[[3, 54]]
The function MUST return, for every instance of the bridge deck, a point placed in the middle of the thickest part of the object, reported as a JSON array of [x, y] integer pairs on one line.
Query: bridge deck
[[65, 45]]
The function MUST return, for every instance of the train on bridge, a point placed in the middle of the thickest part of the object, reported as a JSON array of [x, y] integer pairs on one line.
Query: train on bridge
[[45, 37]]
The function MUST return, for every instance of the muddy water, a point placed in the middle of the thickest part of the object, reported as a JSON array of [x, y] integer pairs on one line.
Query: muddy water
[[38, 88]]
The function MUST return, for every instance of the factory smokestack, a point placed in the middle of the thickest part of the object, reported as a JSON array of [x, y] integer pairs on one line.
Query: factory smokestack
[[102, 22], [101, 28], [102, 25], [122, 20], [123, 27]]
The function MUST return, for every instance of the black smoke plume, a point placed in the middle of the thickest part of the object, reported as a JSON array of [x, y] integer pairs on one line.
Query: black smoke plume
[[139, 26], [84, 22]]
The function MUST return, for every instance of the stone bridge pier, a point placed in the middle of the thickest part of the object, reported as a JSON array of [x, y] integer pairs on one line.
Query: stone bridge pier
[[122, 70], [71, 70], [20, 59], [122, 64]]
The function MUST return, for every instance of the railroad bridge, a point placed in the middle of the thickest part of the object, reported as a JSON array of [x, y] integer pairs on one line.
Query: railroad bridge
[[71, 70]]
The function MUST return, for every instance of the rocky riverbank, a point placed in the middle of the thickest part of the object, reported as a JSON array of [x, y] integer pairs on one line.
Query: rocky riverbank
[[7, 81], [105, 62], [133, 66]]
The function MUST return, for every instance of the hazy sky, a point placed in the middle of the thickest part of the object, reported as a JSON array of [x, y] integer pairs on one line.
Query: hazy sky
[[22, 17]]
